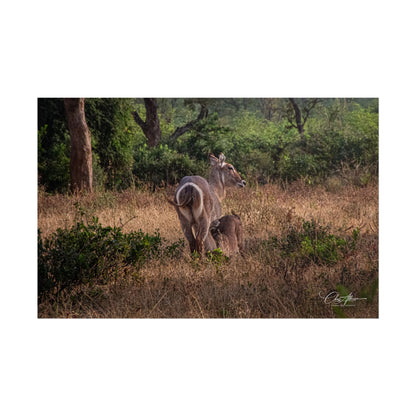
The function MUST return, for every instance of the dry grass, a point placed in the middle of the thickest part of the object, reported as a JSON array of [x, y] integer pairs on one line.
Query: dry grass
[[259, 284]]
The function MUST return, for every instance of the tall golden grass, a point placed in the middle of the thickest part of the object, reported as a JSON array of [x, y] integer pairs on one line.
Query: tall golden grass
[[259, 283]]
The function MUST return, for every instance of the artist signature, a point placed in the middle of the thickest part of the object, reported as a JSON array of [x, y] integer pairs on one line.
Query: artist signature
[[335, 299]]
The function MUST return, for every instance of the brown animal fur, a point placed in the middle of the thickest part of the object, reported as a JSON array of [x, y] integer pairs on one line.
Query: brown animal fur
[[228, 234], [198, 202]]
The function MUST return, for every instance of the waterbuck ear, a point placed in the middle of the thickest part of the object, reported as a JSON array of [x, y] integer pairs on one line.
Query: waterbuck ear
[[221, 158], [214, 225], [213, 160]]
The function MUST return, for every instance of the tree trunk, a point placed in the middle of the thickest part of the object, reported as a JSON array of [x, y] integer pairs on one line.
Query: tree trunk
[[150, 127], [298, 117], [81, 153]]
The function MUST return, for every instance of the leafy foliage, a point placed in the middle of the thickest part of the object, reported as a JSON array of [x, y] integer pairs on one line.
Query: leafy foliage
[[89, 253], [314, 243], [217, 257], [162, 165], [53, 145], [256, 135], [113, 132]]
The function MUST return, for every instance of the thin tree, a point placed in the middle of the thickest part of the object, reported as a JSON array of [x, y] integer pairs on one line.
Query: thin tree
[[81, 152], [298, 116], [269, 107]]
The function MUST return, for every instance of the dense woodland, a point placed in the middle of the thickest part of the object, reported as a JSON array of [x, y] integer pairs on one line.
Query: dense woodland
[[158, 141]]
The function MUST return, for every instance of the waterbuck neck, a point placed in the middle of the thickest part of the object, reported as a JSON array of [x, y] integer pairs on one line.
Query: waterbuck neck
[[216, 181]]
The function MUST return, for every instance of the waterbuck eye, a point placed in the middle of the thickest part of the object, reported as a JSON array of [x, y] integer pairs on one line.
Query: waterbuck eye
[[230, 167]]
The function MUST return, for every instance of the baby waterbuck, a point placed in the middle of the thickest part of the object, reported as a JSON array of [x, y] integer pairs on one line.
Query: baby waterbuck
[[228, 234], [198, 202]]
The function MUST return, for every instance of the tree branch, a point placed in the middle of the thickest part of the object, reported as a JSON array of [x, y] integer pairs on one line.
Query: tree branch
[[189, 126], [138, 119], [309, 108]]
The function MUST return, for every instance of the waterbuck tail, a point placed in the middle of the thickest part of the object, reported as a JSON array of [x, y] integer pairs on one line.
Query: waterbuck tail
[[183, 198], [190, 196]]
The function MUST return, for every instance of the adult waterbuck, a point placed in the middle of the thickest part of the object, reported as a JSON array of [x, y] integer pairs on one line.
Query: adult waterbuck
[[198, 202]]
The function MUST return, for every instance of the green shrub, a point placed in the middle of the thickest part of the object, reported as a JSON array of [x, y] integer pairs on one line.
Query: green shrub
[[175, 249], [208, 136], [90, 253], [315, 243], [217, 257], [162, 165]]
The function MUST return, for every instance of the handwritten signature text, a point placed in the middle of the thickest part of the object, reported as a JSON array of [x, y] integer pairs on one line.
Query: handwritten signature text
[[335, 299]]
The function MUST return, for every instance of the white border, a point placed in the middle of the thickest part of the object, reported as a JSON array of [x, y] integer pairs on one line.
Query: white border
[[222, 48]]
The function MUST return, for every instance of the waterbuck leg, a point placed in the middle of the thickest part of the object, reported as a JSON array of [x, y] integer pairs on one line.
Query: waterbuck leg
[[210, 243], [187, 230], [203, 236]]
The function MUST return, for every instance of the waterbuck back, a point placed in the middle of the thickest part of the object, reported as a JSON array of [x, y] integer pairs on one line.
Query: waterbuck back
[[228, 234], [198, 202]]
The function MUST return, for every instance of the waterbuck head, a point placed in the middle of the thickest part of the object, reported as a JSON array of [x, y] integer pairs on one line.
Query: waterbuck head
[[224, 174]]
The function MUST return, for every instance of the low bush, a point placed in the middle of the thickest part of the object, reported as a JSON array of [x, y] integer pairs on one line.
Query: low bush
[[162, 165], [315, 243], [89, 253], [217, 257]]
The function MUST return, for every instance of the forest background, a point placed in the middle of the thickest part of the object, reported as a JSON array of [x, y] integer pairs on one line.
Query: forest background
[[267, 139]]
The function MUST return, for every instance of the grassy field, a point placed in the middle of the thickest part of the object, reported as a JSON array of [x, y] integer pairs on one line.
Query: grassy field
[[302, 244]]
